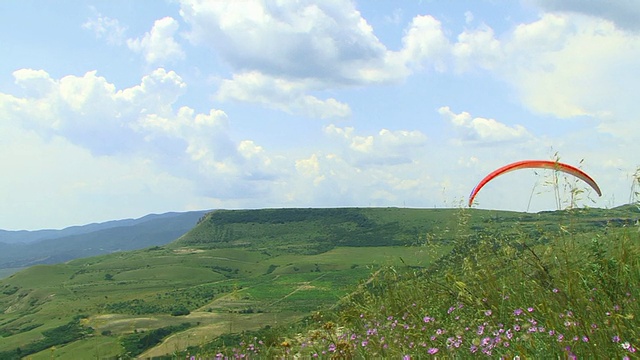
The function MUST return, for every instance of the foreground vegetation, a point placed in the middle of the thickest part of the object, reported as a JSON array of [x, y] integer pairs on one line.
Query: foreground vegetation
[[340, 283], [566, 293]]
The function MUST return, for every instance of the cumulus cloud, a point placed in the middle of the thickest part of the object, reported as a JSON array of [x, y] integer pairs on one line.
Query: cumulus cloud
[[483, 131], [300, 47], [302, 39], [425, 43], [624, 14], [282, 94], [575, 67], [159, 45], [384, 148], [138, 121]]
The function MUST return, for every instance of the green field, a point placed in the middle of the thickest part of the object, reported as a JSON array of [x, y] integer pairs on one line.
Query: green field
[[246, 269]]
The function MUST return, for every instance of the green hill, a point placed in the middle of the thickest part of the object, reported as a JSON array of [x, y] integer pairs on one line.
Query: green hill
[[242, 270], [27, 248]]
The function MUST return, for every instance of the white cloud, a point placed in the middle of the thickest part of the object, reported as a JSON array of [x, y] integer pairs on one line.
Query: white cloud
[[139, 121], [385, 148], [624, 14], [281, 94], [477, 47], [483, 131], [425, 43], [159, 46], [568, 66], [106, 28], [302, 39]]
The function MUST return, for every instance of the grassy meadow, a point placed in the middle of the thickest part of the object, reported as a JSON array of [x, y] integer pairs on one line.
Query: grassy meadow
[[344, 283]]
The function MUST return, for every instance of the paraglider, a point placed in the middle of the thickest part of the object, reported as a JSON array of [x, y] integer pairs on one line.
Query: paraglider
[[535, 164]]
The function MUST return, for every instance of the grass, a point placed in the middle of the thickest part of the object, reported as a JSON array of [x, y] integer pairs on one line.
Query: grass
[[344, 272], [565, 294]]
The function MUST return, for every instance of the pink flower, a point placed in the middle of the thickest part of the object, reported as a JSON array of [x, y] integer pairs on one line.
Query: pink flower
[[433, 350]]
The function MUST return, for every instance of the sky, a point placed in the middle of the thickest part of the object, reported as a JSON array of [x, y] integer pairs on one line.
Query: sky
[[117, 109]]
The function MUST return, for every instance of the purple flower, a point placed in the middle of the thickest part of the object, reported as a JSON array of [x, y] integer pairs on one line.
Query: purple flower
[[509, 334], [364, 343], [530, 309], [406, 357], [485, 341], [487, 313], [517, 312], [433, 350], [585, 338], [615, 339]]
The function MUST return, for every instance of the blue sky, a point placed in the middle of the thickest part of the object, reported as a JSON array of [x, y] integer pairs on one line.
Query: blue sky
[[117, 109]]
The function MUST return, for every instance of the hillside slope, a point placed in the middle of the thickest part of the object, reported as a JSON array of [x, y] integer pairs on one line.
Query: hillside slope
[[243, 269], [96, 239]]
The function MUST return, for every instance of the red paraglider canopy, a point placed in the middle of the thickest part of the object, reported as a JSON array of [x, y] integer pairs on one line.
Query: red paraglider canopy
[[535, 164]]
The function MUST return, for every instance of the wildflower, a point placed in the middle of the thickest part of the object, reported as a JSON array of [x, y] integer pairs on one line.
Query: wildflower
[[485, 341], [509, 334], [487, 313], [439, 331], [530, 309], [516, 327], [615, 339], [625, 345], [473, 349], [555, 290], [480, 330], [364, 343], [517, 312], [433, 350], [585, 338], [406, 357]]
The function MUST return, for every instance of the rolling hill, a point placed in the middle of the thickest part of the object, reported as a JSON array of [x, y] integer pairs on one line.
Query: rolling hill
[[27, 248], [241, 270]]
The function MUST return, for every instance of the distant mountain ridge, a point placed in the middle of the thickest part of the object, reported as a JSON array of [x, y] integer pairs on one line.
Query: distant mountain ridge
[[29, 236], [25, 248]]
